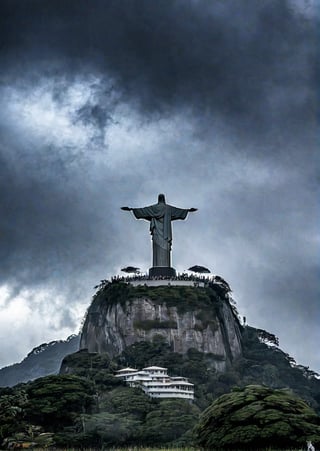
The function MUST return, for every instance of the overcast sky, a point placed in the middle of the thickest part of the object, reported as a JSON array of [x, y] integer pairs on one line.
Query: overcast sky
[[106, 103]]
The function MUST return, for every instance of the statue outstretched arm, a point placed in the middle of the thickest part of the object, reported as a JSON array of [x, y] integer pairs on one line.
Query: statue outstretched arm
[[192, 209], [140, 213]]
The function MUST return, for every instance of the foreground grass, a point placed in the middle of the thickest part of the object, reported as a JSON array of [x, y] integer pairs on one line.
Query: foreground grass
[[137, 448], [185, 449]]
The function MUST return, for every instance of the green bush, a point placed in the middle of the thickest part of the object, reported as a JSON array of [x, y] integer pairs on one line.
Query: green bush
[[169, 421], [257, 417], [55, 401]]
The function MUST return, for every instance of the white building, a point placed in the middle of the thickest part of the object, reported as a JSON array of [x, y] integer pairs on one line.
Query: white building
[[156, 383]]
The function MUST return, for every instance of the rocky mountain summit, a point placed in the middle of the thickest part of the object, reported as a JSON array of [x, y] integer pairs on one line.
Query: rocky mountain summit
[[186, 317], [190, 329]]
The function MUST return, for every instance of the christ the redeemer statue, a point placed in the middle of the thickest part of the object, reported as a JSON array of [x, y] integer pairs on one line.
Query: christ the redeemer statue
[[160, 216]]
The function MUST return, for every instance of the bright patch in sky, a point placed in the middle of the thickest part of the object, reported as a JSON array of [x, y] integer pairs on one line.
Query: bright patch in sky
[[49, 111], [38, 312], [60, 115]]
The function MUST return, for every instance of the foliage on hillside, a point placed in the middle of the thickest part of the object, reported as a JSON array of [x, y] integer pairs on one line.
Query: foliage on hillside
[[90, 408], [87, 406], [270, 366], [55, 401], [98, 368], [44, 405], [260, 364], [257, 417]]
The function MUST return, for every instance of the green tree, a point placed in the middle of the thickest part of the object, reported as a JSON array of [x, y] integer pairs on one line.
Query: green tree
[[55, 401], [96, 367], [144, 353], [257, 417], [110, 429], [169, 421], [12, 415], [127, 401]]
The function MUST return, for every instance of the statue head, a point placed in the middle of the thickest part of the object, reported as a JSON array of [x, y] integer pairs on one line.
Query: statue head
[[161, 199]]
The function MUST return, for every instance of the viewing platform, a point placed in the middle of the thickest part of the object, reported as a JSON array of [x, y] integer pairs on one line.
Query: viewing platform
[[179, 280], [168, 283]]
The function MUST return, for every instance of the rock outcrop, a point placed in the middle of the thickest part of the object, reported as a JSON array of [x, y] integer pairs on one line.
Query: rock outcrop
[[185, 317]]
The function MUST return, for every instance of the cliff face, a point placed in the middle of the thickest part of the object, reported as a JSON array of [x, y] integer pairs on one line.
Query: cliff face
[[185, 317]]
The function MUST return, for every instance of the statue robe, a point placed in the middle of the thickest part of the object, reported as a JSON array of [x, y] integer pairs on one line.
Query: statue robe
[[160, 216]]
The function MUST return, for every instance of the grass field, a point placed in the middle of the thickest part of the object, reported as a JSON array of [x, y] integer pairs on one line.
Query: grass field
[[135, 448], [138, 448], [187, 449]]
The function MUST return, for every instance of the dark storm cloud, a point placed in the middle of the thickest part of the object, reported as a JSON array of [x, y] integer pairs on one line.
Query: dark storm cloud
[[39, 221], [211, 102], [243, 60]]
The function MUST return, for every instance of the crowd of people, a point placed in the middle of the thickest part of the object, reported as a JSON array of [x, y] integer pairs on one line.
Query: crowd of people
[[207, 280], [183, 276], [214, 281]]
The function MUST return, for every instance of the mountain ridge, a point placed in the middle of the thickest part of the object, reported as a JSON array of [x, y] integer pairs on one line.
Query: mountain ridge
[[41, 361]]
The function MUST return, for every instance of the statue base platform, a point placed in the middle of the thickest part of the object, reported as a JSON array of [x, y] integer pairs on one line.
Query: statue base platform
[[162, 271]]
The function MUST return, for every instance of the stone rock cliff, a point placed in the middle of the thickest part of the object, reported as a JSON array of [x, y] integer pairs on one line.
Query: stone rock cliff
[[185, 317]]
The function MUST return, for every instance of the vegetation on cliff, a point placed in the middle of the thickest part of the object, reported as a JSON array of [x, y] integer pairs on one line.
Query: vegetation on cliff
[[184, 298], [257, 417]]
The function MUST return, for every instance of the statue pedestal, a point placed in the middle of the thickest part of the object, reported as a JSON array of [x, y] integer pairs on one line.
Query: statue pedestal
[[162, 271]]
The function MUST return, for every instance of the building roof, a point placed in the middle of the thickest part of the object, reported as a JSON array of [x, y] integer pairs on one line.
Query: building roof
[[155, 368], [126, 370], [166, 384], [142, 378]]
